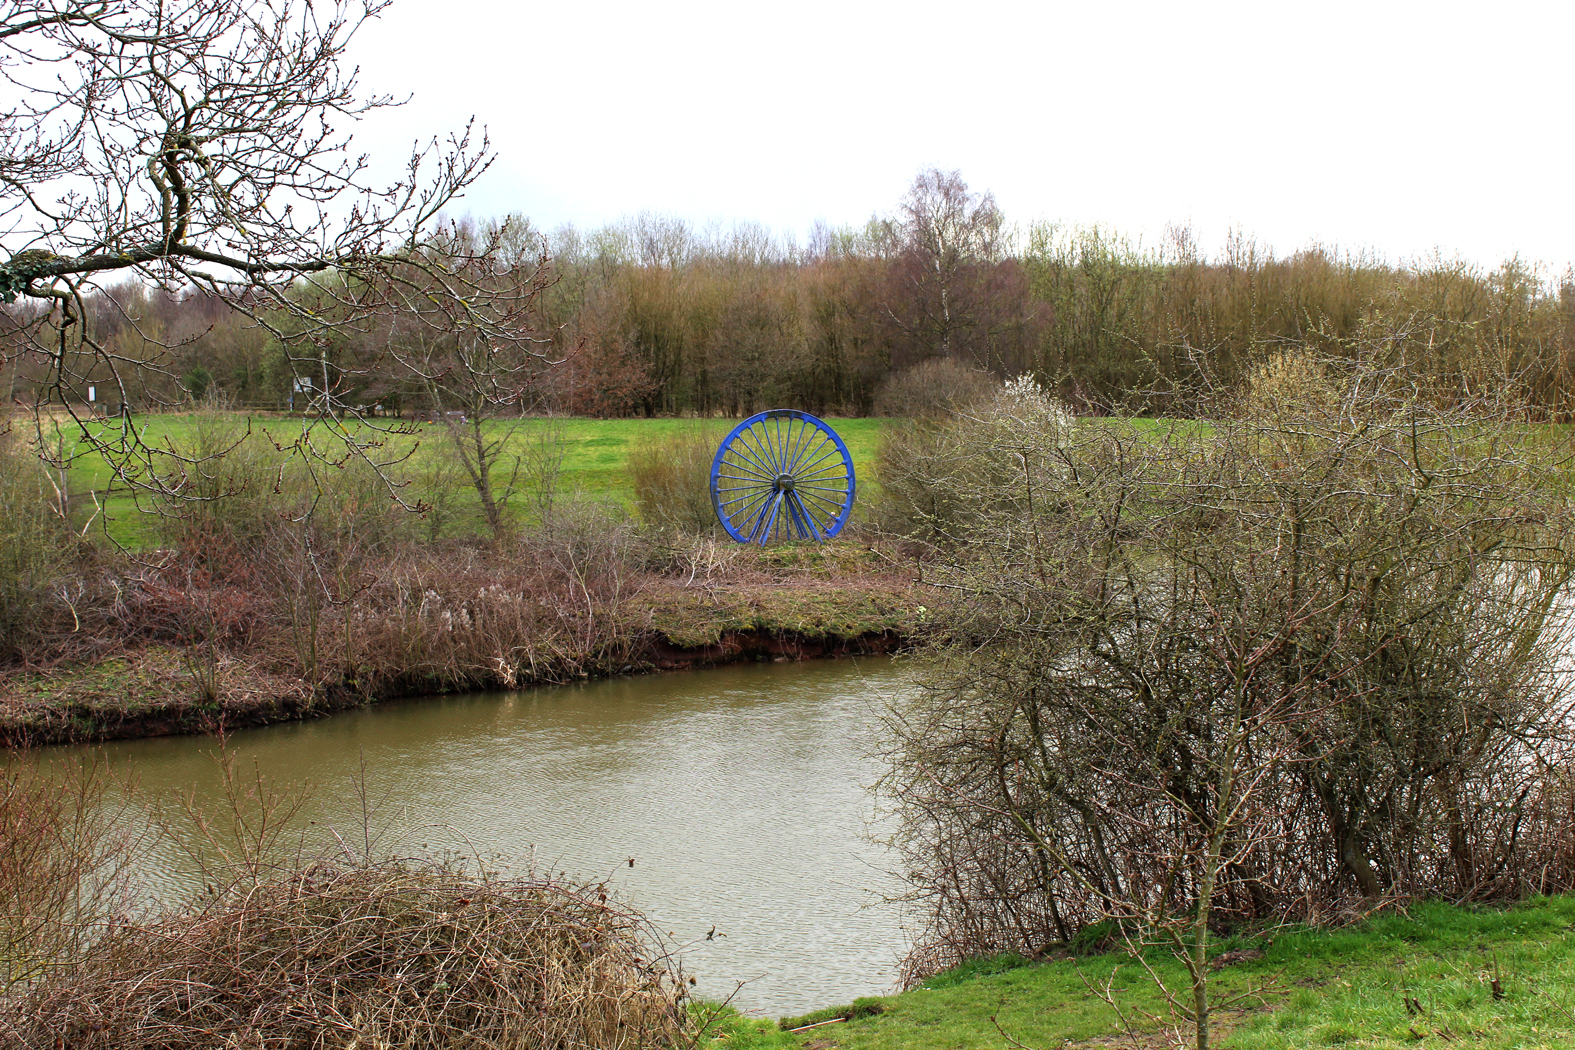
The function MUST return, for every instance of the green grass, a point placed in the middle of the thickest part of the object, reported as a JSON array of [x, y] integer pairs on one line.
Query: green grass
[[595, 456], [1323, 988]]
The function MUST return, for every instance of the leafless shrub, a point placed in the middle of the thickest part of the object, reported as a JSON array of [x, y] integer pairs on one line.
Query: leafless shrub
[[363, 955], [66, 858], [35, 545], [1192, 677], [939, 479], [672, 479], [934, 389]]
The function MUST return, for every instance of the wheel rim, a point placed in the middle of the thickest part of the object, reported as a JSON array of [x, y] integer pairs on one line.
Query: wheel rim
[[782, 474]]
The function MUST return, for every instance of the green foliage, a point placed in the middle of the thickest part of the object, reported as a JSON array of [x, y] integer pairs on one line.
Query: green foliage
[[197, 382], [716, 1025]]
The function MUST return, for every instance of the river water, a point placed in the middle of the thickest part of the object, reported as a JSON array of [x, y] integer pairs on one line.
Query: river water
[[741, 794]]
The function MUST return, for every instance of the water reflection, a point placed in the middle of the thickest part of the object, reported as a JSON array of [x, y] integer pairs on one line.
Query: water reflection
[[740, 794]]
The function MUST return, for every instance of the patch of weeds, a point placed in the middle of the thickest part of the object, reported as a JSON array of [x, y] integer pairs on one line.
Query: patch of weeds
[[1094, 939]]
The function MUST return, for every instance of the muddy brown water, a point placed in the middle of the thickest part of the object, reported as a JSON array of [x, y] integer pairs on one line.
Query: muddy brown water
[[741, 793]]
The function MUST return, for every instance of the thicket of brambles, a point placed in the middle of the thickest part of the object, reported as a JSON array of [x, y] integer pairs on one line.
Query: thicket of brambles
[[651, 316]]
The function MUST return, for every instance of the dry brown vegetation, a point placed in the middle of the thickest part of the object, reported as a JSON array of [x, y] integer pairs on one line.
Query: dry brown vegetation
[[67, 849], [380, 954], [1239, 671], [283, 944], [649, 316], [278, 594]]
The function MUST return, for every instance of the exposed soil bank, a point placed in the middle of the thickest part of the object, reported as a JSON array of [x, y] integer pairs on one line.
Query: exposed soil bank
[[744, 646], [162, 689]]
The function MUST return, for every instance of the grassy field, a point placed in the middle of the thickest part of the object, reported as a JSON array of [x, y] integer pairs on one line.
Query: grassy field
[[1422, 977], [594, 463]]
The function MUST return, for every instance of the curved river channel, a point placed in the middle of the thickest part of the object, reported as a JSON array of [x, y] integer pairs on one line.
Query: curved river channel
[[742, 795]]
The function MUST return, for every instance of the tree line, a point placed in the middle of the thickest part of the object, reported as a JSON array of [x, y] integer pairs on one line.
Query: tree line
[[653, 316]]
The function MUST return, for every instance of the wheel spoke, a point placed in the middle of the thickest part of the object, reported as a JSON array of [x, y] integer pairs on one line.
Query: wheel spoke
[[752, 476], [782, 445], [796, 524], [806, 436], [831, 459], [837, 496], [741, 442], [727, 482], [750, 494], [814, 467], [771, 441], [748, 498], [771, 521], [749, 524], [747, 470], [759, 441], [836, 507], [815, 530], [809, 448], [740, 457]]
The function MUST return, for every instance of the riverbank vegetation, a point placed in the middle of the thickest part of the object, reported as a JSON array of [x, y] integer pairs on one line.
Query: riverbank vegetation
[[291, 935], [383, 953], [1308, 648], [270, 589], [274, 586]]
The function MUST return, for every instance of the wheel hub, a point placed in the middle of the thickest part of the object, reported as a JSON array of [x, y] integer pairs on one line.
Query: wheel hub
[[784, 483]]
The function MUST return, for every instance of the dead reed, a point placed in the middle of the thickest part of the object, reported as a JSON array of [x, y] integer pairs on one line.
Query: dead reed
[[387, 954]]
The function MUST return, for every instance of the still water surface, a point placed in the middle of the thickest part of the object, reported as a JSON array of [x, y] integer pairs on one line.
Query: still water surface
[[741, 794]]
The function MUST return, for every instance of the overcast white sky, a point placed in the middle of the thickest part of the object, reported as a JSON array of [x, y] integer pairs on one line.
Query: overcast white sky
[[1391, 126]]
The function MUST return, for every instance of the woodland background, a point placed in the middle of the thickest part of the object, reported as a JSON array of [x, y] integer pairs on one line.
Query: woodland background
[[652, 316]]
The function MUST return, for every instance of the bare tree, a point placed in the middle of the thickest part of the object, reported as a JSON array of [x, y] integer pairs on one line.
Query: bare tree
[[946, 296], [479, 386], [198, 144]]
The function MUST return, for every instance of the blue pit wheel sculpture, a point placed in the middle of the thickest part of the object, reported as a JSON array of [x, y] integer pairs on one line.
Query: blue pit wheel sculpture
[[782, 474]]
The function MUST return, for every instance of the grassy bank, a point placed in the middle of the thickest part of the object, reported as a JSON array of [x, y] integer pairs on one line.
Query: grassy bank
[[1422, 976], [468, 620], [284, 587]]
